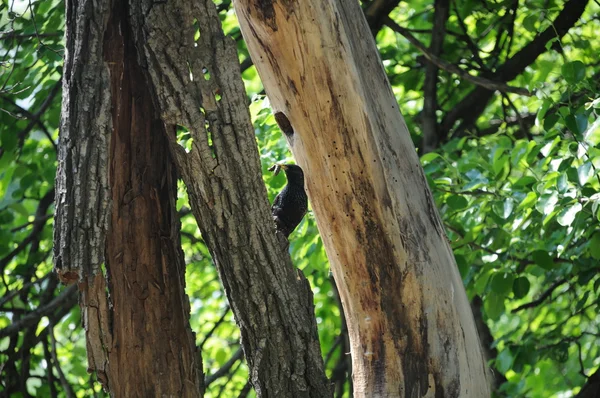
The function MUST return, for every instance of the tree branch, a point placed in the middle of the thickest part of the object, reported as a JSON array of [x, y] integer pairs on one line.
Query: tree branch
[[66, 299], [430, 102], [540, 299], [471, 107], [38, 226], [225, 368], [482, 82]]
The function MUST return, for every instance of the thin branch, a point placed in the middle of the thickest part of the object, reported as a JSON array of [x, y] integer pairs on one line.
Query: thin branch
[[14, 35], [215, 327], [488, 84], [66, 299], [246, 390], [45, 105], [38, 226], [26, 286], [67, 388], [542, 298], [225, 368], [32, 117]]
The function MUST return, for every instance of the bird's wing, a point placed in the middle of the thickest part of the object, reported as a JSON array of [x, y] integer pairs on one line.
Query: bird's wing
[[276, 203]]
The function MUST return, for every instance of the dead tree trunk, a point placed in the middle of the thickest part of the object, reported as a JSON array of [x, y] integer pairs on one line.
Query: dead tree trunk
[[411, 328], [115, 206]]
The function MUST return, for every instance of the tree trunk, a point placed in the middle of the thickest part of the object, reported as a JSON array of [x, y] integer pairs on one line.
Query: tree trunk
[[116, 195], [197, 85], [271, 300], [411, 328]]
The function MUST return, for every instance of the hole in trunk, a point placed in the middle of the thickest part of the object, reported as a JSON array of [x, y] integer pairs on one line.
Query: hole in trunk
[[284, 124]]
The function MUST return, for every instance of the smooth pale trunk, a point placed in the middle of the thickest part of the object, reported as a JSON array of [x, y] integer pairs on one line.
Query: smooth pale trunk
[[411, 328]]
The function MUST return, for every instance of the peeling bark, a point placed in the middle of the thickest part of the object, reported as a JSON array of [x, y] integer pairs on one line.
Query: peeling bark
[[116, 196], [411, 329]]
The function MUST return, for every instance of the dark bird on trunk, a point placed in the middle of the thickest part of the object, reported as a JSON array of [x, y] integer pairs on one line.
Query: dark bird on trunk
[[291, 204]]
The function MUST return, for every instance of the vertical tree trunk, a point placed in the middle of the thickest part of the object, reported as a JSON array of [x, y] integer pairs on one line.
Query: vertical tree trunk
[[197, 84], [411, 329], [116, 194]]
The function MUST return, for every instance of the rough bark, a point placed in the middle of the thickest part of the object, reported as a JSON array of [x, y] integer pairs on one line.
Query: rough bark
[[411, 329], [116, 195], [197, 85]]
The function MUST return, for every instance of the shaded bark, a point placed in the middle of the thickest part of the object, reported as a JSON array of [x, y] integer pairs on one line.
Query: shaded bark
[[411, 329], [116, 195]]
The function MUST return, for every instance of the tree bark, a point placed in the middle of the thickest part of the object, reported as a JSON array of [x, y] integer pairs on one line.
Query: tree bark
[[197, 84], [411, 328], [116, 195]]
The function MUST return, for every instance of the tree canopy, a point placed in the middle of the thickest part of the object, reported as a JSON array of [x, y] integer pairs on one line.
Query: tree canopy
[[501, 99]]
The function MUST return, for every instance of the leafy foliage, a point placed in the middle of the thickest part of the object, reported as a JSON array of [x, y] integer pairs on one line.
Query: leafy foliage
[[515, 178]]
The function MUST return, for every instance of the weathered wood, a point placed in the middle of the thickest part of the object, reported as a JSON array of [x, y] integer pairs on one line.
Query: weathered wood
[[271, 301], [116, 197], [411, 329]]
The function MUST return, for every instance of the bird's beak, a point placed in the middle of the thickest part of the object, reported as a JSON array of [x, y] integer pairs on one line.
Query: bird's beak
[[283, 166]]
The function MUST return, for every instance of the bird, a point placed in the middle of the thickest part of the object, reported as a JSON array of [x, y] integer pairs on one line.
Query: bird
[[291, 204]]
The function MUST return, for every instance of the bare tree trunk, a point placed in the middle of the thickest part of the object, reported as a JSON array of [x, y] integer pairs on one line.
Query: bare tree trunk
[[116, 195], [411, 328]]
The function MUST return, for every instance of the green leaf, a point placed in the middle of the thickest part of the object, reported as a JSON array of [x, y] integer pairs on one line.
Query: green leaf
[[529, 22], [457, 202], [550, 120], [543, 259], [567, 215], [573, 72], [504, 361], [430, 156], [584, 173], [503, 208], [521, 287], [529, 201], [546, 103], [524, 181], [494, 305], [502, 283], [577, 124], [546, 203], [594, 246], [562, 183]]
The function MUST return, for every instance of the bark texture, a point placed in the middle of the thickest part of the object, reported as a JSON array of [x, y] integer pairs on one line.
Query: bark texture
[[410, 325], [116, 194], [197, 85]]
